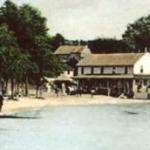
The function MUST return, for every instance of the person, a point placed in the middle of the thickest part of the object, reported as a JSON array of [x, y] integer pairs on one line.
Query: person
[[56, 91], [63, 87], [1, 102], [80, 90], [92, 92]]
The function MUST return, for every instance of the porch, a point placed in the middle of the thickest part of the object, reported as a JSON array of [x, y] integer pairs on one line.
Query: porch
[[107, 85]]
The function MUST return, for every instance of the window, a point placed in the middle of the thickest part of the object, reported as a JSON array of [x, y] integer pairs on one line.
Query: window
[[141, 69], [87, 70], [108, 70], [96, 70], [120, 70]]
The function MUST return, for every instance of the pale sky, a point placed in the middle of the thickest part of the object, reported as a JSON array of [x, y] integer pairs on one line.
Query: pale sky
[[89, 19]]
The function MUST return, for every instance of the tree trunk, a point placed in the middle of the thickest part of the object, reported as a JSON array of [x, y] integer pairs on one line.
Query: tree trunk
[[3, 90], [12, 88], [6, 86], [18, 88], [37, 91], [37, 86], [1, 85], [26, 86]]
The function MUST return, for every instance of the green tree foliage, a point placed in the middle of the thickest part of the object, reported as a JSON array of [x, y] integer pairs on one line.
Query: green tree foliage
[[137, 34], [56, 41], [48, 65], [104, 45], [101, 45], [8, 54], [8, 46], [25, 49]]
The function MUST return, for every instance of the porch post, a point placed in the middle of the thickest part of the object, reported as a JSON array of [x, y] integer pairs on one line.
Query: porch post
[[108, 88], [133, 86]]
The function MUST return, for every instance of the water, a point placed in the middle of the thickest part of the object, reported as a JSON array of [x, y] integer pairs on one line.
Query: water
[[103, 127]]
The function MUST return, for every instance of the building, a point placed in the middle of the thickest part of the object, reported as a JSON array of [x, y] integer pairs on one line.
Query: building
[[72, 54], [114, 74]]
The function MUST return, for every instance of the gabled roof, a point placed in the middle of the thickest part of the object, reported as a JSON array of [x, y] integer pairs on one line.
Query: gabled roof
[[68, 49], [115, 59]]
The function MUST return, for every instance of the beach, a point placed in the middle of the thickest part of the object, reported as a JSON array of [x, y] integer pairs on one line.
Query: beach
[[11, 106]]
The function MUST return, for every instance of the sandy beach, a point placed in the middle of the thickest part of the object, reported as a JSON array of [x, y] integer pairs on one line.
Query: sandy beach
[[11, 106]]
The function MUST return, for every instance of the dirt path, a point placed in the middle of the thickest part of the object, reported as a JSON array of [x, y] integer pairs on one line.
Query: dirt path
[[30, 102]]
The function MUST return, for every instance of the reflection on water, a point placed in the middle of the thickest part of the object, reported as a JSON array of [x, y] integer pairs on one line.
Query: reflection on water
[[104, 127], [131, 112], [16, 117]]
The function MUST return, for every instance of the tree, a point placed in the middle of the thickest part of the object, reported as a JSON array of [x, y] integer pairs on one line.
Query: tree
[[33, 44], [23, 68], [26, 22], [9, 15], [107, 45], [137, 34], [8, 53], [48, 64], [57, 41]]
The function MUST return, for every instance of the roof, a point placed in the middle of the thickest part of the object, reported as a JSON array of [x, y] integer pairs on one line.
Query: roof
[[104, 77], [49, 79], [63, 77], [115, 59], [141, 76], [67, 49]]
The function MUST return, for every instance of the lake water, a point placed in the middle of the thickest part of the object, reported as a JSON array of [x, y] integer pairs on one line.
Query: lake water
[[102, 127]]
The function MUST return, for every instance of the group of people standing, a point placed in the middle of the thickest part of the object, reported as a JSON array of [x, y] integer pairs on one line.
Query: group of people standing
[[63, 90]]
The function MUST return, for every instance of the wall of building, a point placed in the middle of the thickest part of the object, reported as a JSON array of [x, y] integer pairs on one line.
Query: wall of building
[[68, 73], [108, 70], [142, 66], [73, 56], [63, 58], [130, 70], [79, 71], [119, 70], [97, 70], [143, 91], [85, 52]]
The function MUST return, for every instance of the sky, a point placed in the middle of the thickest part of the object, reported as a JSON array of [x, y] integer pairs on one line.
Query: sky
[[89, 19]]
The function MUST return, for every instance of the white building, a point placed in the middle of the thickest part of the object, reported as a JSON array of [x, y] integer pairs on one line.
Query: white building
[[116, 73]]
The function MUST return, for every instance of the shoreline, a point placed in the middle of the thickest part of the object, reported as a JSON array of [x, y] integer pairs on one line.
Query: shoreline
[[11, 106]]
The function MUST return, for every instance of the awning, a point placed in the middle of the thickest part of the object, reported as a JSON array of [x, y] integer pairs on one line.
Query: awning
[[63, 77], [49, 79], [141, 76]]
